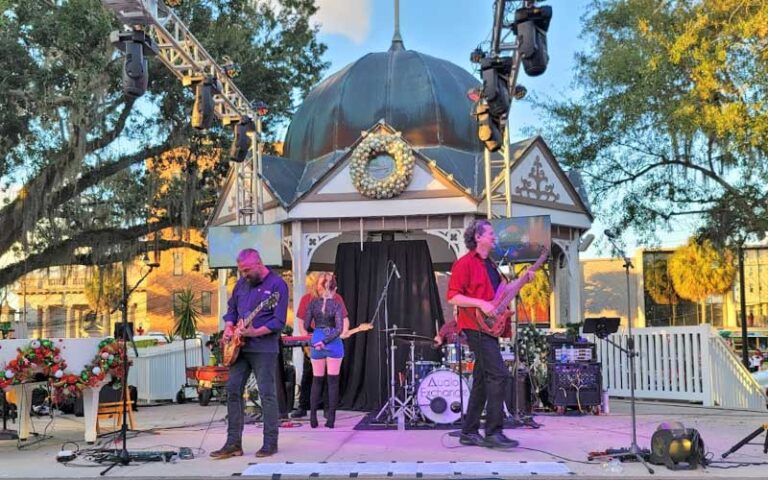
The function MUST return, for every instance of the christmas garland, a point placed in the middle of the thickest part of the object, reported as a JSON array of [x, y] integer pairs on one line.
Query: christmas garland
[[395, 182], [40, 358], [108, 361]]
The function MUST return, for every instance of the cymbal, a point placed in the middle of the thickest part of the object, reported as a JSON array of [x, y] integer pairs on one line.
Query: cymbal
[[412, 337]]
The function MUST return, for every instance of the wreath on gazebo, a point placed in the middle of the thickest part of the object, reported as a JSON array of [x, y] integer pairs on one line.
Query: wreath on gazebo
[[41, 358], [394, 183]]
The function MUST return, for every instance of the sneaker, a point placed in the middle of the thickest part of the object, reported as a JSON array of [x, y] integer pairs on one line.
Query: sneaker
[[499, 440], [266, 451], [227, 451], [472, 439]]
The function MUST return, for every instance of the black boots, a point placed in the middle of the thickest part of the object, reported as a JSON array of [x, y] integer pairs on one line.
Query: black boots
[[333, 400], [314, 399]]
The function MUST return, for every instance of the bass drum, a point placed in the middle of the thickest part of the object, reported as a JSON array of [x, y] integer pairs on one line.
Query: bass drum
[[439, 396]]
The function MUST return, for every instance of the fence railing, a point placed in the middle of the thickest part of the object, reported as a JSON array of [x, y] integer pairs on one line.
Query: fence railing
[[690, 364], [158, 372]]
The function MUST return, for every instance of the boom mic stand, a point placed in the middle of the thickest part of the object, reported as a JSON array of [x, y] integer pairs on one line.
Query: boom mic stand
[[393, 404], [123, 457], [634, 451], [518, 419]]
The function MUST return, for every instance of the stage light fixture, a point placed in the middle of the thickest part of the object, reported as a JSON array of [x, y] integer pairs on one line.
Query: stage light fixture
[[477, 55], [530, 26], [520, 92], [203, 109], [242, 142], [260, 107], [137, 46], [677, 447]]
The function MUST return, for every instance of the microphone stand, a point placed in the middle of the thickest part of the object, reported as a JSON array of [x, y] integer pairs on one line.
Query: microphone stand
[[393, 404], [634, 451], [518, 419], [123, 457]]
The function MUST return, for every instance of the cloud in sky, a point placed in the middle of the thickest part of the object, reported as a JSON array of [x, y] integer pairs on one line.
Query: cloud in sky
[[349, 18]]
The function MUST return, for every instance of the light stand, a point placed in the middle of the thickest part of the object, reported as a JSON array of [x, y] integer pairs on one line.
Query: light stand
[[634, 450], [123, 457], [393, 404]]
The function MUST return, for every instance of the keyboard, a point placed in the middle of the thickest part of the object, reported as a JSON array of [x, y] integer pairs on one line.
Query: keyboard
[[295, 340]]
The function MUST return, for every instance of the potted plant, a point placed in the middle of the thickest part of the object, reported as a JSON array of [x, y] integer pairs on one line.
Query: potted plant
[[186, 314]]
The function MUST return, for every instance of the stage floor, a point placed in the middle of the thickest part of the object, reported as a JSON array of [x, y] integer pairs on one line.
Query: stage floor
[[169, 427]]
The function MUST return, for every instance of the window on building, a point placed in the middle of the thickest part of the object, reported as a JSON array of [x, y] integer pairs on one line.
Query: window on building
[[176, 300], [205, 303], [178, 263]]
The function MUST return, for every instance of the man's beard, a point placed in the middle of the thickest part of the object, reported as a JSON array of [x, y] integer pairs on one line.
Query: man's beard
[[254, 278]]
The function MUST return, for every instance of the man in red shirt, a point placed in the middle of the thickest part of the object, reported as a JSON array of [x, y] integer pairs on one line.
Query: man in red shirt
[[474, 281]]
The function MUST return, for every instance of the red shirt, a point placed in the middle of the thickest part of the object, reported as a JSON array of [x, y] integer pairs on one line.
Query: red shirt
[[469, 278]]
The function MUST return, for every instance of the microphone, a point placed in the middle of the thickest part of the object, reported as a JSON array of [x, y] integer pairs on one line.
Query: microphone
[[394, 265], [612, 233]]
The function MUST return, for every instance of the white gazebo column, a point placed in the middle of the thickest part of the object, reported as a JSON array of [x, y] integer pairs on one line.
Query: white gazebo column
[[299, 271], [568, 285], [223, 296]]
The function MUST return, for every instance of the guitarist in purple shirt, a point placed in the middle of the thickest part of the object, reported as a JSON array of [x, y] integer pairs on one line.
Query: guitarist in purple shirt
[[259, 352]]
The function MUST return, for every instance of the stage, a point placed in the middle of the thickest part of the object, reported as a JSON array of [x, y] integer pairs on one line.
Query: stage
[[169, 427]]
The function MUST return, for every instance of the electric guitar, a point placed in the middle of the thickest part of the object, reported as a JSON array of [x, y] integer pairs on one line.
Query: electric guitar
[[494, 323], [231, 348], [363, 327]]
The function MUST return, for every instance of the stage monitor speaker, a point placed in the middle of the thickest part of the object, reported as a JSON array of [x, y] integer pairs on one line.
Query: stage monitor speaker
[[120, 333]]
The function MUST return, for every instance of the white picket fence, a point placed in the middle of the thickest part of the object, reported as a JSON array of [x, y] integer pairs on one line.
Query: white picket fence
[[690, 364], [158, 372]]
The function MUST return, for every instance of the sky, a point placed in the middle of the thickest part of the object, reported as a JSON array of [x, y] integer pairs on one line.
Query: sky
[[451, 29]]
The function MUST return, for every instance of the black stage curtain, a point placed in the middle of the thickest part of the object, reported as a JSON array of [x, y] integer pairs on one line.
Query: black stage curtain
[[413, 303]]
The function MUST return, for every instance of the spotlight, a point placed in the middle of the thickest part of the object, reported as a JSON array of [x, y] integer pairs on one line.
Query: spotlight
[[520, 92], [136, 45], [260, 107], [677, 447], [203, 110], [241, 143], [530, 26], [477, 55], [474, 94]]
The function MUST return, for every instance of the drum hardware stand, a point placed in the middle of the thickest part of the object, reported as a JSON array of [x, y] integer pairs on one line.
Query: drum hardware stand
[[394, 404], [6, 434]]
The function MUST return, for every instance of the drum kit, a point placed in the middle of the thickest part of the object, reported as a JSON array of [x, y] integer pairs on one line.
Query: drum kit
[[438, 392], [431, 391]]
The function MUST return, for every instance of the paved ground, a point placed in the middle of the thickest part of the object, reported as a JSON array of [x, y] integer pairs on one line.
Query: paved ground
[[567, 438]]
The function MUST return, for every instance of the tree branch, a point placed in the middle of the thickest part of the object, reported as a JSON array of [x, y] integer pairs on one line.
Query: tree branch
[[111, 135]]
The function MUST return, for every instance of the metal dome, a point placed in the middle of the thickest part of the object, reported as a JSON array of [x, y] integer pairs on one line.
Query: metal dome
[[421, 96]]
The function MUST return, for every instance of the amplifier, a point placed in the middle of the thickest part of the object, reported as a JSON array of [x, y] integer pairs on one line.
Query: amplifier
[[574, 384], [564, 349]]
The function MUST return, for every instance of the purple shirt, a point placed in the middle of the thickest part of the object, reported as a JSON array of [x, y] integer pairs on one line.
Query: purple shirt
[[245, 297]]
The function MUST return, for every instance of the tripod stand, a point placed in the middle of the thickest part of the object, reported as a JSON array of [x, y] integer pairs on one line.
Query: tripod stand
[[634, 451], [748, 438], [123, 457]]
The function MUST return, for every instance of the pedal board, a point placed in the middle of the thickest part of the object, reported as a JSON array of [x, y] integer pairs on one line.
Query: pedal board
[[143, 456]]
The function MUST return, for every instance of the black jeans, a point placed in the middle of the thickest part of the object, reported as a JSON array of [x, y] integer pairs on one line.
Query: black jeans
[[264, 366], [489, 384]]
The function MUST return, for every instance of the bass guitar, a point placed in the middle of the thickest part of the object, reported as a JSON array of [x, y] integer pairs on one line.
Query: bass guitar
[[231, 348], [494, 323]]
